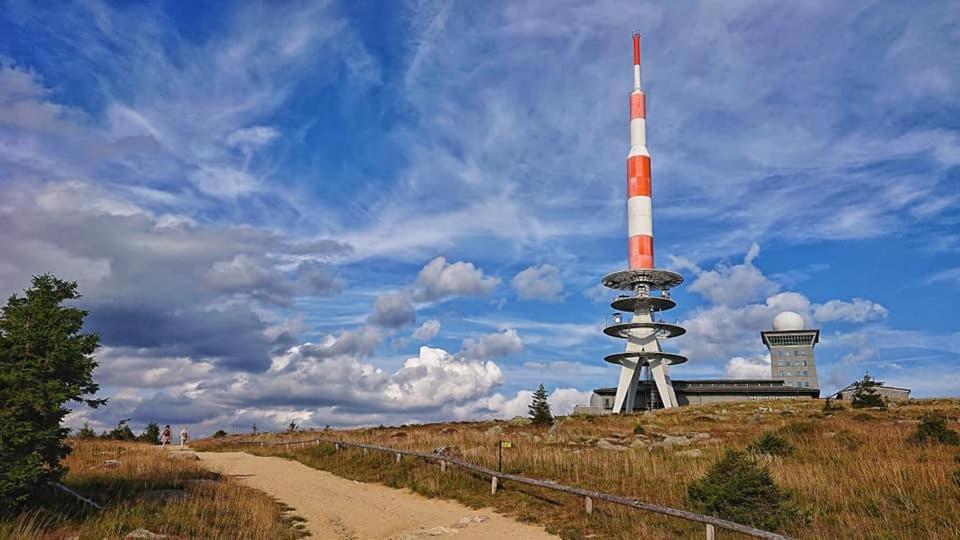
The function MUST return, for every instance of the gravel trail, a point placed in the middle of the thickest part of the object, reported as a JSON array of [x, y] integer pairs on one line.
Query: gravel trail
[[338, 508]]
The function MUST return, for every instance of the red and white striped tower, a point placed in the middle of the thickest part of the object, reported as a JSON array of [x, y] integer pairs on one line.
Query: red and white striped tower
[[639, 207], [643, 332]]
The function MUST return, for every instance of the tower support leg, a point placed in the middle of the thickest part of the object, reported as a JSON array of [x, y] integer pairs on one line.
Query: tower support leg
[[664, 385]]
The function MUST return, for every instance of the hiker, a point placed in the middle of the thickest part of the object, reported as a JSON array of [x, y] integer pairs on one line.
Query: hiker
[[166, 435], [184, 435]]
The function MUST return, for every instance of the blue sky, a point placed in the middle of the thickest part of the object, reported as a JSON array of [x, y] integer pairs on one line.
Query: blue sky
[[270, 208]]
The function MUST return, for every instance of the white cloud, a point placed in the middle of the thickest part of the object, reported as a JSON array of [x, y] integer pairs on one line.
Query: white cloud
[[562, 401], [393, 310], [755, 367], [439, 279], [539, 283], [252, 136], [493, 345], [427, 331], [859, 310], [733, 285]]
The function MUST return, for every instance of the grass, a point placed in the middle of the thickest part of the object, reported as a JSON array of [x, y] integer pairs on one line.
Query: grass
[[199, 504], [851, 478]]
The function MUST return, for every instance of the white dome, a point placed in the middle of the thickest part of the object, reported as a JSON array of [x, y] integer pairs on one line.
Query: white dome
[[787, 321]]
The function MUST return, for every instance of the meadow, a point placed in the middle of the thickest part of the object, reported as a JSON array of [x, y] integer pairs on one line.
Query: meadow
[[853, 474], [149, 488]]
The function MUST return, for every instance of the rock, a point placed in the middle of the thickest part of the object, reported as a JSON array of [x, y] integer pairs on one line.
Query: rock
[[607, 445], [480, 518], [143, 533], [693, 452], [464, 522], [439, 531], [111, 464], [638, 443], [673, 441]]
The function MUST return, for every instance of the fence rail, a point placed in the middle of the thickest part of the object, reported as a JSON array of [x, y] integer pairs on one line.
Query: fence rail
[[497, 478]]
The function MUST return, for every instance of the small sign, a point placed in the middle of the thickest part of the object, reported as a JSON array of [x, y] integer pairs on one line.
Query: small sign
[[505, 444]]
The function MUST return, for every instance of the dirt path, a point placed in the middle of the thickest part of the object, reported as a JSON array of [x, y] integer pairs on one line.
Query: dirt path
[[344, 509]]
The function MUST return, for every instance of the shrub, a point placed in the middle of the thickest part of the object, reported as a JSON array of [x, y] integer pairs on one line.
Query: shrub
[[772, 445], [933, 427], [151, 434], [799, 428], [639, 430], [829, 405], [220, 434], [738, 489], [862, 417]]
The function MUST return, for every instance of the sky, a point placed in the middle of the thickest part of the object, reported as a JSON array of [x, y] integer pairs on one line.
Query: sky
[[361, 213]]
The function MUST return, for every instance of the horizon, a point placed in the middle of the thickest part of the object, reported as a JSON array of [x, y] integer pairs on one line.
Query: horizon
[[350, 215]]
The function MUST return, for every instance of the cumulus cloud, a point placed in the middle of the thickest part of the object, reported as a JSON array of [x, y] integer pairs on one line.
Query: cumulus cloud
[[859, 310], [539, 283], [439, 279], [393, 310], [427, 331], [562, 401], [755, 367], [732, 285], [493, 345]]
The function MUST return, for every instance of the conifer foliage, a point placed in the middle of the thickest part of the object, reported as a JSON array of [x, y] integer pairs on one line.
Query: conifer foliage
[[45, 362], [540, 409], [865, 393]]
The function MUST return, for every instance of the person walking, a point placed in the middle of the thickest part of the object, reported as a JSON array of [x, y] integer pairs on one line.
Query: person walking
[[166, 435], [184, 436]]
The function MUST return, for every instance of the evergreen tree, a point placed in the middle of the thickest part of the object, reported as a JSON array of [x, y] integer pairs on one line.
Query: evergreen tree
[[86, 432], [540, 409], [865, 393], [151, 434], [45, 362], [122, 432]]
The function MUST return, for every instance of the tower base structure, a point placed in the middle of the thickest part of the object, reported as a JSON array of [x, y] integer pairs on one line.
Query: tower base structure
[[643, 334]]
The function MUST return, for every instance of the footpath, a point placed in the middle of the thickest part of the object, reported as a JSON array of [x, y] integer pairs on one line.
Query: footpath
[[338, 508]]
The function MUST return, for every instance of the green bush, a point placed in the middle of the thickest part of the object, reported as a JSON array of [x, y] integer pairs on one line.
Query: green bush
[[738, 489], [220, 434], [933, 427], [639, 429], [771, 445]]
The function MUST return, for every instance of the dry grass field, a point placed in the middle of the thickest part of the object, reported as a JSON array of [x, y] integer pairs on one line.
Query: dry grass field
[[853, 473], [151, 489]]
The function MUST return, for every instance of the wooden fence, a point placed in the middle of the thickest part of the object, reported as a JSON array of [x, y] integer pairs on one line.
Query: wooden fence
[[497, 478]]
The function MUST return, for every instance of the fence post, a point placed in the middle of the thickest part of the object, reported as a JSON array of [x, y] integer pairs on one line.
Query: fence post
[[711, 532], [336, 447], [443, 466], [588, 504], [398, 459], [493, 485]]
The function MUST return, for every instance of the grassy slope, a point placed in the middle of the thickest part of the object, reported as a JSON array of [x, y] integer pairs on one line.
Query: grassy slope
[[853, 472], [212, 507]]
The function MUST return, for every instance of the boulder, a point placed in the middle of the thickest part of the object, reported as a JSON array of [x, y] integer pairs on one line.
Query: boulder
[[607, 445]]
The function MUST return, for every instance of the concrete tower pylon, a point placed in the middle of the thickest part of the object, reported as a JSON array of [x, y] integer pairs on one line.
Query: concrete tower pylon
[[643, 332]]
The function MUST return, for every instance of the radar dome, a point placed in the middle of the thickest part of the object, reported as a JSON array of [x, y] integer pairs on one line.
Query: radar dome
[[787, 321]]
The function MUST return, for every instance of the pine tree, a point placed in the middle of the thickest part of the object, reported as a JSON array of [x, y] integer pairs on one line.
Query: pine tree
[[45, 363], [540, 408], [865, 393], [151, 434]]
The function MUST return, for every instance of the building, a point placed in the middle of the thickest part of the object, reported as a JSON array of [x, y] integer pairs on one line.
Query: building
[[888, 393], [791, 350], [703, 391]]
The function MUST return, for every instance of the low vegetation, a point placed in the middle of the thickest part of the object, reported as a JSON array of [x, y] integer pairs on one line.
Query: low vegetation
[[141, 486], [933, 427], [844, 479], [771, 445], [739, 489]]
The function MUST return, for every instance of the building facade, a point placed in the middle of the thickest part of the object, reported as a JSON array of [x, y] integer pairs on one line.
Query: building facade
[[791, 346]]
